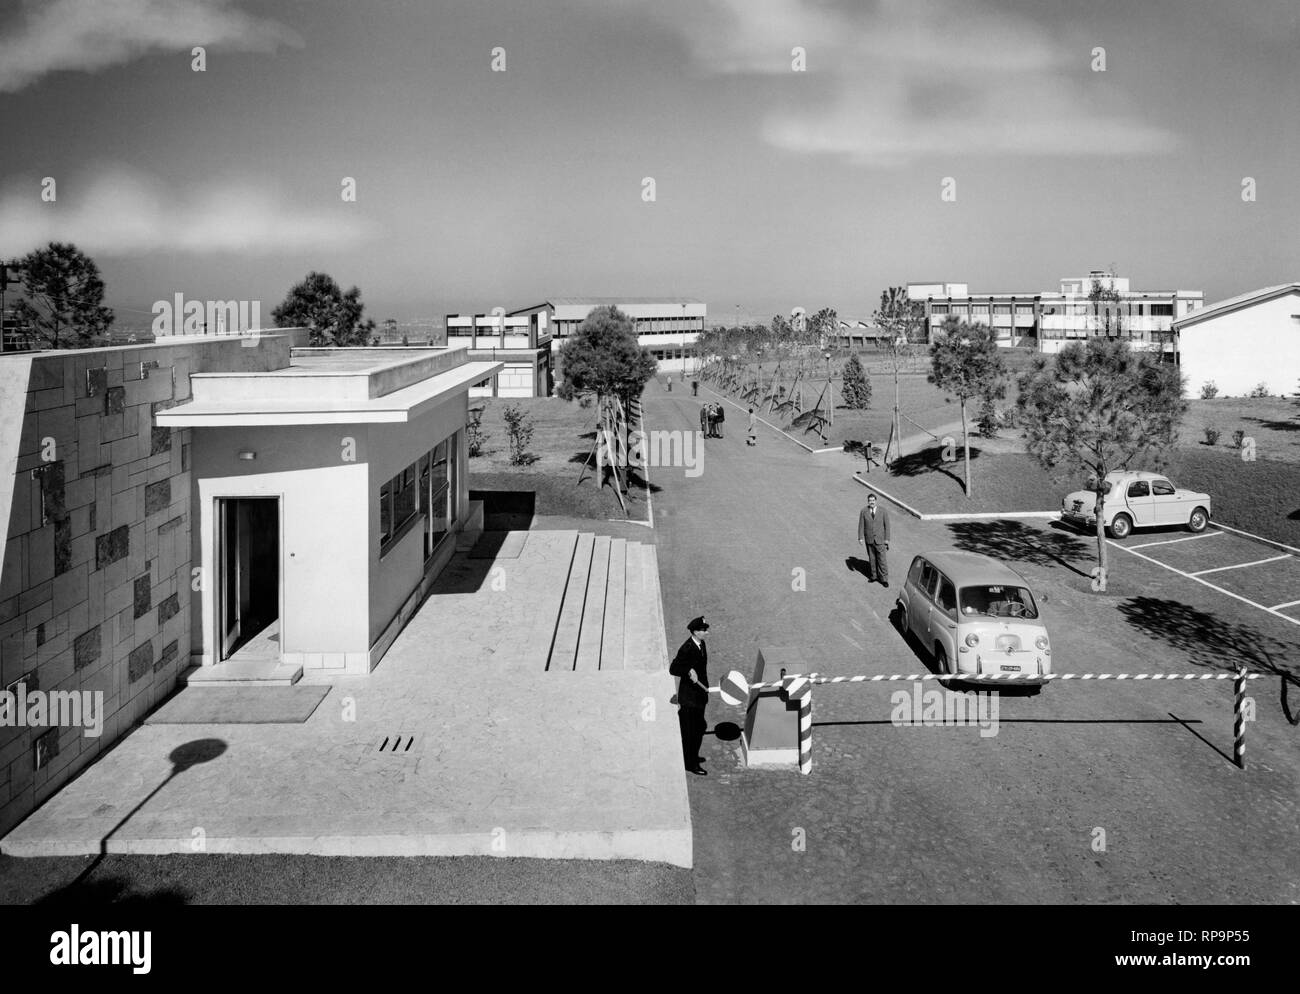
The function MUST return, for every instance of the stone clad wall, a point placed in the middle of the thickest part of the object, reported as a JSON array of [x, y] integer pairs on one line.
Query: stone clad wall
[[96, 581]]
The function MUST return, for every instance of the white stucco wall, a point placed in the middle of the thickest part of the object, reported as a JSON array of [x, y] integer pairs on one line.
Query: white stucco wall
[[391, 448], [323, 571], [1243, 348]]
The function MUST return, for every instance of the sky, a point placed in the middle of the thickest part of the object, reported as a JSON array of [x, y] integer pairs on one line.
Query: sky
[[775, 185]]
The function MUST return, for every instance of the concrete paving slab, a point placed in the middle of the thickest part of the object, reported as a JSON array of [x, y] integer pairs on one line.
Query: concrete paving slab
[[507, 758]]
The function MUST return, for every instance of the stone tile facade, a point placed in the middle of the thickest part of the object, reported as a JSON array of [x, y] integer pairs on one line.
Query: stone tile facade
[[95, 503]]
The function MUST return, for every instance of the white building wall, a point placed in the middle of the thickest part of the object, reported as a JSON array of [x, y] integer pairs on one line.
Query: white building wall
[[1240, 349]]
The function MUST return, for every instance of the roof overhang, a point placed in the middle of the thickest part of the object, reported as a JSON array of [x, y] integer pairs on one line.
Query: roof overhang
[[397, 407]]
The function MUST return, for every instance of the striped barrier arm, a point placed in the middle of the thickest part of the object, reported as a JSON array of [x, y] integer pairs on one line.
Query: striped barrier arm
[[1001, 678]]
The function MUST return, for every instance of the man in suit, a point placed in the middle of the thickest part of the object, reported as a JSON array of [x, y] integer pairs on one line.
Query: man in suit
[[873, 533], [690, 666]]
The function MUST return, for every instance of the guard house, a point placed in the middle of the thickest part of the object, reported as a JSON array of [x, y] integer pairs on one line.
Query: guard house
[[326, 497]]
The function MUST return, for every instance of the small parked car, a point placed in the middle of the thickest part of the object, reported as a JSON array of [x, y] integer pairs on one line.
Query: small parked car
[[1137, 500], [976, 616]]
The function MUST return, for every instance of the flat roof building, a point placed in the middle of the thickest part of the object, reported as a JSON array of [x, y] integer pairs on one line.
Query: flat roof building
[[668, 326], [224, 502], [1050, 319]]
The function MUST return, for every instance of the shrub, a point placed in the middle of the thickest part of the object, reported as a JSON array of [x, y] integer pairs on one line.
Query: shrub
[[519, 431], [1238, 437], [1259, 390], [476, 437], [1211, 435], [1209, 390], [857, 388], [989, 420]]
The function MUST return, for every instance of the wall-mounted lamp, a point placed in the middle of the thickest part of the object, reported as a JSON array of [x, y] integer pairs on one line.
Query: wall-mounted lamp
[[248, 454]]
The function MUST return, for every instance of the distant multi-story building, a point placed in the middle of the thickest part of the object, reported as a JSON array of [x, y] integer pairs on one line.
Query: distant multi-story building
[[521, 341], [668, 326], [1049, 320]]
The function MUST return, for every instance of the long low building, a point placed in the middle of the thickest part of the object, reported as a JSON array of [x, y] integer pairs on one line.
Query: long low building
[[1243, 343], [668, 326], [1049, 320]]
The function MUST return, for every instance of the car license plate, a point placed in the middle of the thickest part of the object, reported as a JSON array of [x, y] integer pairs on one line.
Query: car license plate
[[1010, 669]]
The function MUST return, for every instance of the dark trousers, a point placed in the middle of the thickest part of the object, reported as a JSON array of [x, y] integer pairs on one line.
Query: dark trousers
[[877, 564], [692, 722]]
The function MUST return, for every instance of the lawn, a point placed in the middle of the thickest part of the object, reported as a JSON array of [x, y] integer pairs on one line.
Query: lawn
[[562, 438], [1272, 422], [927, 407], [1262, 497]]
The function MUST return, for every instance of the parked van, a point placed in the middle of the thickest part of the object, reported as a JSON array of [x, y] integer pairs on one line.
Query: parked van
[[976, 616]]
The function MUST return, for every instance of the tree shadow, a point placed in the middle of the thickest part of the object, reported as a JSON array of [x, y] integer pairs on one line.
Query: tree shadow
[[1019, 542], [1292, 424], [110, 890], [929, 461], [1208, 640]]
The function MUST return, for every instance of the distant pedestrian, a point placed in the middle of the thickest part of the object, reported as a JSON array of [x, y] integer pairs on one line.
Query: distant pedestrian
[[753, 428], [717, 424], [695, 388], [691, 667], [873, 533], [704, 420], [670, 382]]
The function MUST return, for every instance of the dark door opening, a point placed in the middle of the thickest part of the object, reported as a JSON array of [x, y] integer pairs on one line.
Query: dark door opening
[[248, 557]]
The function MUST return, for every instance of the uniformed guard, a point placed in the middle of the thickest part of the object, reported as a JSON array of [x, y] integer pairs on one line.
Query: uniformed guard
[[690, 666]]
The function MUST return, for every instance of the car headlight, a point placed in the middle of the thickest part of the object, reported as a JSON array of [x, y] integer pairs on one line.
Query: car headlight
[[972, 640], [1041, 642]]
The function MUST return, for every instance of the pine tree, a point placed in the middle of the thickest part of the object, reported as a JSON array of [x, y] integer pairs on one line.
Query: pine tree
[[857, 387]]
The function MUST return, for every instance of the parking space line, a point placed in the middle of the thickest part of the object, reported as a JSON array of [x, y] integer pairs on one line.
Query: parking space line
[[1278, 607], [1206, 583], [1220, 569], [1171, 541]]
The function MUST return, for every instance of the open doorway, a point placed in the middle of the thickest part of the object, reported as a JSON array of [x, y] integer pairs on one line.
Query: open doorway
[[248, 561]]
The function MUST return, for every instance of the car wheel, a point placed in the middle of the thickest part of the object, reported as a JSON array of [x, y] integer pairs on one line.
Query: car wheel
[[1198, 520], [903, 626], [1120, 526], [941, 659]]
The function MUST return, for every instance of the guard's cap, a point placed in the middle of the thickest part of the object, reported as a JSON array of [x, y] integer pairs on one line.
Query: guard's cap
[[698, 625]]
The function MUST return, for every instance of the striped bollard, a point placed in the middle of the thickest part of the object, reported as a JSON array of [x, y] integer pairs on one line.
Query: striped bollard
[[1239, 719], [800, 689]]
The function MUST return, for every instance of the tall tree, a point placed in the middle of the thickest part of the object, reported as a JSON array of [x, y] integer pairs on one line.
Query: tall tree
[[63, 297], [1099, 407], [903, 320], [333, 316], [1105, 301], [602, 357], [822, 326], [965, 362]]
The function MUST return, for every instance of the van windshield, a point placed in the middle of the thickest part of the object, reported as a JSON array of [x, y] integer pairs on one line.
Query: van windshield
[[997, 601]]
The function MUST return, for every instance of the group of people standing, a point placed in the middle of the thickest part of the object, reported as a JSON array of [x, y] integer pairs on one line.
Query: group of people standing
[[712, 417]]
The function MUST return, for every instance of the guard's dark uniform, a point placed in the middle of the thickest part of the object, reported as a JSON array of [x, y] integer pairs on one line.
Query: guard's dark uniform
[[691, 699]]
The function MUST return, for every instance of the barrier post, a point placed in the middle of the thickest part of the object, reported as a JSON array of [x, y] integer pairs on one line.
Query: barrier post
[[1239, 719], [805, 730]]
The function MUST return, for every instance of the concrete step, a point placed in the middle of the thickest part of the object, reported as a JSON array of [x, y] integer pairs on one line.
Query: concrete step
[[260, 673], [645, 647], [611, 645], [593, 615], [568, 624]]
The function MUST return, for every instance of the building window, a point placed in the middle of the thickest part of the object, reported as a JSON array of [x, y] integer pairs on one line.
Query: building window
[[939, 309], [1162, 310], [1001, 308], [397, 507], [1025, 309], [980, 310]]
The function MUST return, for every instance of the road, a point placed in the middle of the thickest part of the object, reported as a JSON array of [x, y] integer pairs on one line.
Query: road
[[1090, 792]]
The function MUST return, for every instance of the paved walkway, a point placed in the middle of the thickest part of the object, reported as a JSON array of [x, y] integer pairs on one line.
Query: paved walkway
[[493, 755], [763, 543]]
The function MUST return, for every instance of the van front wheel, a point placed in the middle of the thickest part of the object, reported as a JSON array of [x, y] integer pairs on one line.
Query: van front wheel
[[1198, 520], [1120, 526]]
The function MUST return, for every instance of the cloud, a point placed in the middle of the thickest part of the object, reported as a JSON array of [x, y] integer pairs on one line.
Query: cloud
[[90, 35], [898, 79], [123, 212]]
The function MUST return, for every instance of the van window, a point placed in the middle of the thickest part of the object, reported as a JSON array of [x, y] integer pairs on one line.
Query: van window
[[914, 574], [1139, 489], [998, 601], [928, 577], [947, 599], [1162, 488]]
